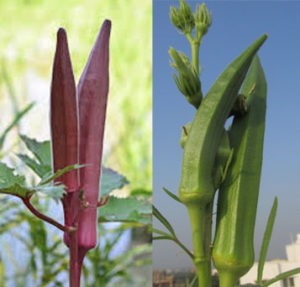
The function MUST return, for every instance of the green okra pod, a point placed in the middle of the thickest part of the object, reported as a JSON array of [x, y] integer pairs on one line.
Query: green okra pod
[[223, 156], [233, 251], [207, 129], [197, 186]]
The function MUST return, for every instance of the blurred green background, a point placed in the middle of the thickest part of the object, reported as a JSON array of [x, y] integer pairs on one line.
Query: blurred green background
[[27, 43]]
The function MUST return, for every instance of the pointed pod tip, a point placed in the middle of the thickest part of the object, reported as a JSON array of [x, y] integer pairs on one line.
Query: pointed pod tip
[[105, 28], [61, 34], [107, 23]]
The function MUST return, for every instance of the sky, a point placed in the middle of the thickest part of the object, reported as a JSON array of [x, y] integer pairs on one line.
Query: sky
[[236, 24]]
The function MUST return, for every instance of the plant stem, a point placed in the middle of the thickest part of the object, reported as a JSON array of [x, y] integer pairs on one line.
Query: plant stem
[[195, 56], [184, 248], [200, 216], [81, 254], [44, 217], [73, 249], [227, 279]]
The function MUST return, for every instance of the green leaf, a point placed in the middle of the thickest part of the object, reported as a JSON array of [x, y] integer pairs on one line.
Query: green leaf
[[41, 150], [282, 276], [40, 169], [266, 241], [162, 238], [111, 180], [154, 230], [49, 177], [166, 236], [15, 122], [14, 184], [11, 183], [172, 195], [53, 191], [141, 192], [163, 220], [126, 209]]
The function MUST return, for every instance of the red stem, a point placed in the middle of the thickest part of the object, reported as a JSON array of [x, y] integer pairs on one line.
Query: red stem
[[74, 279], [103, 201], [42, 216]]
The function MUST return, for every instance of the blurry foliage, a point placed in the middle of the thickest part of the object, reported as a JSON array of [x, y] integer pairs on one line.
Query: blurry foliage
[[46, 263]]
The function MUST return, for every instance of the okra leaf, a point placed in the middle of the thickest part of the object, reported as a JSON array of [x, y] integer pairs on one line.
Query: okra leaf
[[266, 241], [41, 165], [49, 177], [111, 180], [162, 238], [163, 220], [39, 169], [15, 184], [126, 210], [14, 123], [12, 183], [281, 276], [41, 150], [164, 234], [141, 192], [171, 194], [53, 191]]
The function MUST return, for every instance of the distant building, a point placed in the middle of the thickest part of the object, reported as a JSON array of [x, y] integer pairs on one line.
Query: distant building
[[275, 267], [178, 278]]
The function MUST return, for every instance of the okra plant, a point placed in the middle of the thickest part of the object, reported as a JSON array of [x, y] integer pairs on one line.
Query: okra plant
[[71, 173], [217, 158]]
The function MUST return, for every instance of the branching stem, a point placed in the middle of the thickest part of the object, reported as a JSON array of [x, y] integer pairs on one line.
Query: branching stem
[[26, 201]]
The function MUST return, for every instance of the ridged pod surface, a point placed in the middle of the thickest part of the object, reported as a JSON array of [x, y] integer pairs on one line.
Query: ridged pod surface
[[233, 251], [207, 129], [197, 185], [92, 97], [64, 126]]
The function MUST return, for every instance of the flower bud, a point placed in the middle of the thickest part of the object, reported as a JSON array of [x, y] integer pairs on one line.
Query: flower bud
[[182, 17], [187, 81], [203, 20]]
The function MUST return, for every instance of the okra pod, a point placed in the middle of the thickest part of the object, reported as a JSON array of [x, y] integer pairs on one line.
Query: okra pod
[[207, 129], [92, 96], [63, 110], [233, 251], [64, 126], [197, 187]]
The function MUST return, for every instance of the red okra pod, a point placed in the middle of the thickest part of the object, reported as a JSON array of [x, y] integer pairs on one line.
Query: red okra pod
[[92, 97], [64, 125]]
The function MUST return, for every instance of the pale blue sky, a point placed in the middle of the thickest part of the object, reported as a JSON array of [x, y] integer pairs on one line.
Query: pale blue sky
[[236, 24]]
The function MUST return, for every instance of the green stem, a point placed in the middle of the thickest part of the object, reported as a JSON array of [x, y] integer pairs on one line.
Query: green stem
[[200, 216], [195, 56], [203, 272], [227, 279]]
